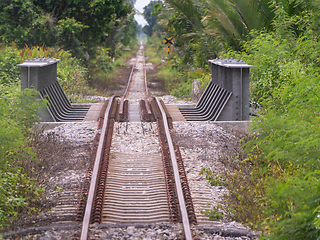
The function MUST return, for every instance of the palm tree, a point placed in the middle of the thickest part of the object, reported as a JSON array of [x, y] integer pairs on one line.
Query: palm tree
[[212, 26], [228, 21]]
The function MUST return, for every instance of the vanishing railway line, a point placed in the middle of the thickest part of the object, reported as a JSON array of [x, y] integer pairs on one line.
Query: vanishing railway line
[[131, 187], [140, 185]]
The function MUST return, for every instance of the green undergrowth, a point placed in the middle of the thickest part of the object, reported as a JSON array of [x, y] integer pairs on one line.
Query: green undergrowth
[[17, 116], [104, 69], [275, 187], [166, 71], [273, 182], [19, 191], [101, 66], [178, 77], [18, 113], [71, 73], [155, 50]]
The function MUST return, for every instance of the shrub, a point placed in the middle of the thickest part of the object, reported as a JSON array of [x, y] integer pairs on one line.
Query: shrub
[[9, 72], [18, 112], [284, 155], [268, 63], [101, 66], [71, 73], [294, 209]]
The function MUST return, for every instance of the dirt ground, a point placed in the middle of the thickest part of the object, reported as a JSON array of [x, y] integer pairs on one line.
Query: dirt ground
[[118, 82], [156, 85]]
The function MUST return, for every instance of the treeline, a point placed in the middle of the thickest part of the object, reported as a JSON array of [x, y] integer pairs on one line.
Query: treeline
[[275, 188], [79, 26]]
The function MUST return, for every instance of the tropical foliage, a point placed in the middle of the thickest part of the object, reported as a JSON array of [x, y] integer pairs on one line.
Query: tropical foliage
[[78, 26], [275, 186], [17, 115], [86, 36], [150, 14], [210, 27]]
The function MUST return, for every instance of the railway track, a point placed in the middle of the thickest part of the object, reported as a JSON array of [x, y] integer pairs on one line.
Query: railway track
[[135, 182], [126, 186]]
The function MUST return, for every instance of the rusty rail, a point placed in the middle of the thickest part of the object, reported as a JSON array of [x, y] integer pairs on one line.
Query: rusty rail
[[183, 209], [145, 75], [100, 189], [130, 77], [94, 177]]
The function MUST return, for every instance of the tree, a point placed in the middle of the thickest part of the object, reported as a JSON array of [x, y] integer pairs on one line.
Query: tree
[[93, 15], [150, 18], [76, 25], [204, 29], [128, 31], [17, 20]]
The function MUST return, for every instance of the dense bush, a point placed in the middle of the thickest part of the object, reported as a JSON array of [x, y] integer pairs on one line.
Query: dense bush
[[18, 112], [101, 65], [80, 30], [277, 185], [76, 26], [71, 73], [72, 76], [276, 188], [9, 72]]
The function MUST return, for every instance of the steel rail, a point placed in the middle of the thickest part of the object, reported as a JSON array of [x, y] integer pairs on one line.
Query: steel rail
[[145, 74], [183, 209], [211, 105], [130, 77], [121, 106], [95, 172]]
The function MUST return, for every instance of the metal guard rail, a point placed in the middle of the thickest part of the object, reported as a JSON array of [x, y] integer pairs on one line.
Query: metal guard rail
[[210, 105]]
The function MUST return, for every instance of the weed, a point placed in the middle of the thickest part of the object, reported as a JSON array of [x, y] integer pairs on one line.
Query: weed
[[214, 213], [214, 179]]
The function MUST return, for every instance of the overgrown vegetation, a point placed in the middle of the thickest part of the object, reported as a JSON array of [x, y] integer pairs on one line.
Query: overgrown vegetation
[[275, 186], [71, 73], [178, 78], [17, 115], [90, 37], [78, 26], [284, 154]]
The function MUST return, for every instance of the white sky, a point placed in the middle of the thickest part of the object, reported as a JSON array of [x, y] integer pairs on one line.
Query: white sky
[[139, 6]]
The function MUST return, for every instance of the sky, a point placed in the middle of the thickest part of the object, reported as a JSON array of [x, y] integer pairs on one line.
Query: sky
[[139, 6]]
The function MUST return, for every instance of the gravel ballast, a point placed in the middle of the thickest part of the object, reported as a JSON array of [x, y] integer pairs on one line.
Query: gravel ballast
[[201, 145], [68, 155]]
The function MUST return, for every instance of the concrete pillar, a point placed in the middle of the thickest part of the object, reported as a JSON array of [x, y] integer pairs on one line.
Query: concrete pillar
[[233, 76], [39, 73], [215, 74]]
